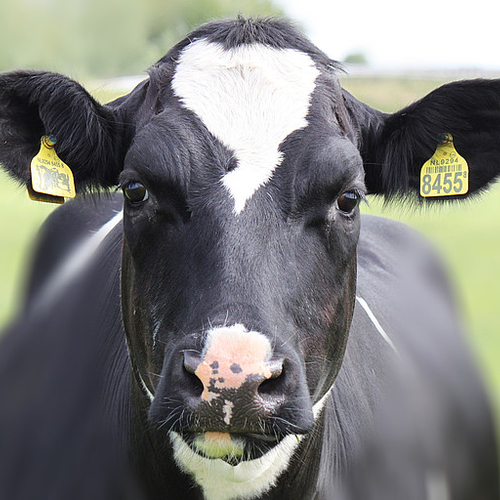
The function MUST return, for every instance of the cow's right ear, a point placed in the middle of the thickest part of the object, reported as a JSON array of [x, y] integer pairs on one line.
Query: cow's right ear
[[461, 118], [92, 139]]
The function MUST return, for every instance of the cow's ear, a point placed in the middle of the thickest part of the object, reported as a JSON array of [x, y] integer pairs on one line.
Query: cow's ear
[[91, 138], [395, 146]]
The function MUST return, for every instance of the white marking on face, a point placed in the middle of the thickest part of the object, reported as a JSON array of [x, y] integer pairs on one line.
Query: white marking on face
[[228, 411], [221, 481], [251, 98]]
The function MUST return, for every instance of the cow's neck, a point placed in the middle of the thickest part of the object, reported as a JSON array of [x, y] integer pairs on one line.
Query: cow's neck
[[307, 476], [151, 457]]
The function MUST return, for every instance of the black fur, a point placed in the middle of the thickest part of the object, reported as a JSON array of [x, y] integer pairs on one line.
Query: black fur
[[91, 138], [398, 145], [76, 367]]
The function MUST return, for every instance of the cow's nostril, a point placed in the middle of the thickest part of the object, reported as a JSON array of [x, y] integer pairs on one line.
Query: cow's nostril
[[274, 384], [191, 362], [271, 386], [194, 383]]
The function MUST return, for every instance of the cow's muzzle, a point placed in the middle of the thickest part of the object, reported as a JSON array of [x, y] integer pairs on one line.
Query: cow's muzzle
[[239, 398]]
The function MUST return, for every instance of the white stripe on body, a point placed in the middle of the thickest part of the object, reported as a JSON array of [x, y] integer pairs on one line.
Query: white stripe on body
[[362, 302], [320, 404], [250, 98], [73, 265], [437, 485]]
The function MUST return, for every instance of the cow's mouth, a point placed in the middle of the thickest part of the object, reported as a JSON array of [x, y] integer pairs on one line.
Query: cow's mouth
[[232, 448]]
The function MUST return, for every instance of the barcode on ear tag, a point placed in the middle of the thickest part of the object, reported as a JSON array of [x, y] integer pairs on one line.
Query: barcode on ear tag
[[446, 173]]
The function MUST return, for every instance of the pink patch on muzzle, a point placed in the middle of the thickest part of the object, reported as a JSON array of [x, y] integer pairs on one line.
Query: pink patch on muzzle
[[233, 354]]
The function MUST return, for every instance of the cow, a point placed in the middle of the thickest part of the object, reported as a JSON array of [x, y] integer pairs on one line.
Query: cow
[[224, 324]]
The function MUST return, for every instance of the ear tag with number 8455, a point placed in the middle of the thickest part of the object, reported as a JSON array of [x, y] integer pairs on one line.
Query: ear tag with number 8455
[[446, 173]]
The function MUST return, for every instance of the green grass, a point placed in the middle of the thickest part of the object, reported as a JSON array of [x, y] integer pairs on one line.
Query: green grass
[[468, 235], [19, 223], [389, 94]]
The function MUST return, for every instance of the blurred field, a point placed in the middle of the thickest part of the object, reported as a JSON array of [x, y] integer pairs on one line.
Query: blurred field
[[468, 235]]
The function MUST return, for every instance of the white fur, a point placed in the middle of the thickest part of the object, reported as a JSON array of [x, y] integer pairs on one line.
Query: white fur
[[250, 98], [376, 323], [148, 393], [247, 480], [228, 411], [437, 485], [318, 407]]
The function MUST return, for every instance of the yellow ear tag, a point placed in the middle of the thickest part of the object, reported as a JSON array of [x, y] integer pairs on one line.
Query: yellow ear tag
[[49, 174], [446, 173]]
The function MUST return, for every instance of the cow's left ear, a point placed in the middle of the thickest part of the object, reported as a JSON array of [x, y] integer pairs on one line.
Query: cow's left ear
[[91, 138], [395, 146]]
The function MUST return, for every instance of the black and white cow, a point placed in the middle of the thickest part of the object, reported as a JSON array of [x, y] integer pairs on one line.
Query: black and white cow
[[231, 327]]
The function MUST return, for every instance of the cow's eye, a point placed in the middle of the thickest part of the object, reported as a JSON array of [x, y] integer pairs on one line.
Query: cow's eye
[[348, 201], [135, 192]]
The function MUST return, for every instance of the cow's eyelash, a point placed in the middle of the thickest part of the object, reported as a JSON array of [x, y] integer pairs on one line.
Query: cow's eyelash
[[360, 194]]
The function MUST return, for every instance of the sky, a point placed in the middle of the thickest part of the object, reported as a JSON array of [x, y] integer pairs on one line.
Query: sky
[[397, 34]]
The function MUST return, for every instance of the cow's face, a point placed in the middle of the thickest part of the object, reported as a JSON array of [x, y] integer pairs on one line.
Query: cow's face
[[241, 164], [241, 221]]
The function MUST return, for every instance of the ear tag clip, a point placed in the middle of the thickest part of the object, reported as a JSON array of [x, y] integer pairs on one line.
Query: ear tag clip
[[446, 173], [51, 179]]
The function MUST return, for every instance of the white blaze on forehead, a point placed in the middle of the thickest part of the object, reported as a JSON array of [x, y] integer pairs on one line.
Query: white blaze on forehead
[[250, 98]]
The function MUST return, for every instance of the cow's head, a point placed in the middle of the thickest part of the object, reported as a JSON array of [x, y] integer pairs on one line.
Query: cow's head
[[242, 163]]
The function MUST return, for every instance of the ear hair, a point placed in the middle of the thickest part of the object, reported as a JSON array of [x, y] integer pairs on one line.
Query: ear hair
[[368, 123], [468, 110], [395, 147], [89, 136]]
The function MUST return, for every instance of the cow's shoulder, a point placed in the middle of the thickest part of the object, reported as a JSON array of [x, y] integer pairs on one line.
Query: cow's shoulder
[[64, 232], [388, 243], [407, 361], [405, 282], [64, 364], [396, 262]]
